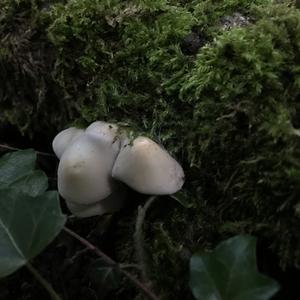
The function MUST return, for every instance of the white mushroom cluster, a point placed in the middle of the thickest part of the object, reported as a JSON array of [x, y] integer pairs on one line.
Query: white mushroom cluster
[[96, 161]]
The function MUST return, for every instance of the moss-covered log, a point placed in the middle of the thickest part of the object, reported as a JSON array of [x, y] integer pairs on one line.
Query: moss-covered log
[[216, 82]]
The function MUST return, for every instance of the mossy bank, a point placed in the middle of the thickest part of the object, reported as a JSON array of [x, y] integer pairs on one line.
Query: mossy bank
[[216, 82]]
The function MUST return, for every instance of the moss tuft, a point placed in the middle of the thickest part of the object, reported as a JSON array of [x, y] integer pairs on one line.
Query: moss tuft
[[245, 92], [29, 98]]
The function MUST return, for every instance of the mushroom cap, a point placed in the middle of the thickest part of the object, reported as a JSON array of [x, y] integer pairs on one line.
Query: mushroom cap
[[112, 203], [147, 168], [63, 139], [106, 132], [84, 170]]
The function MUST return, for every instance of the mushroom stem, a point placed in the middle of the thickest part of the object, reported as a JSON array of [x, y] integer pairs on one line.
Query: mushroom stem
[[139, 237]]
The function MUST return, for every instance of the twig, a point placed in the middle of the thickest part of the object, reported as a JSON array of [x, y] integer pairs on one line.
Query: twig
[[139, 237], [43, 282], [17, 149], [127, 266], [77, 254], [108, 260], [227, 186]]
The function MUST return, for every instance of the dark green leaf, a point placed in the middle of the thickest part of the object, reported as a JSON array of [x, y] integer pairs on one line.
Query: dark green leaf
[[34, 183], [27, 225], [105, 276], [15, 165], [230, 273], [183, 199], [17, 171]]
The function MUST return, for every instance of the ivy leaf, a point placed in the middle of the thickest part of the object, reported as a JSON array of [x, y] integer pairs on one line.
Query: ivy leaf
[[27, 225], [15, 165], [105, 276], [30, 218], [230, 273], [17, 170], [34, 183], [183, 199]]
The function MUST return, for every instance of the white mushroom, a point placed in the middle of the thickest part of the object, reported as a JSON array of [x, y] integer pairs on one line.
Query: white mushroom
[[148, 168], [90, 160], [106, 132], [84, 171], [112, 203], [63, 139]]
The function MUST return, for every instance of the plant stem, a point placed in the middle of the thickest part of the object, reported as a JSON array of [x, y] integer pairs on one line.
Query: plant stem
[[127, 266], [107, 259], [17, 149], [43, 282], [139, 237]]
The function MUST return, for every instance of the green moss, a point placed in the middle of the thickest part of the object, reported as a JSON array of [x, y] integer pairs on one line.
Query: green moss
[[123, 60], [29, 98], [210, 12], [245, 93]]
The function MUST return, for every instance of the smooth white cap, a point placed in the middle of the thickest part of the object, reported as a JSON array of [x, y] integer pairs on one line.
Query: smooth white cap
[[147, 168], [106, 132], [84, 171], [63, 139]]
